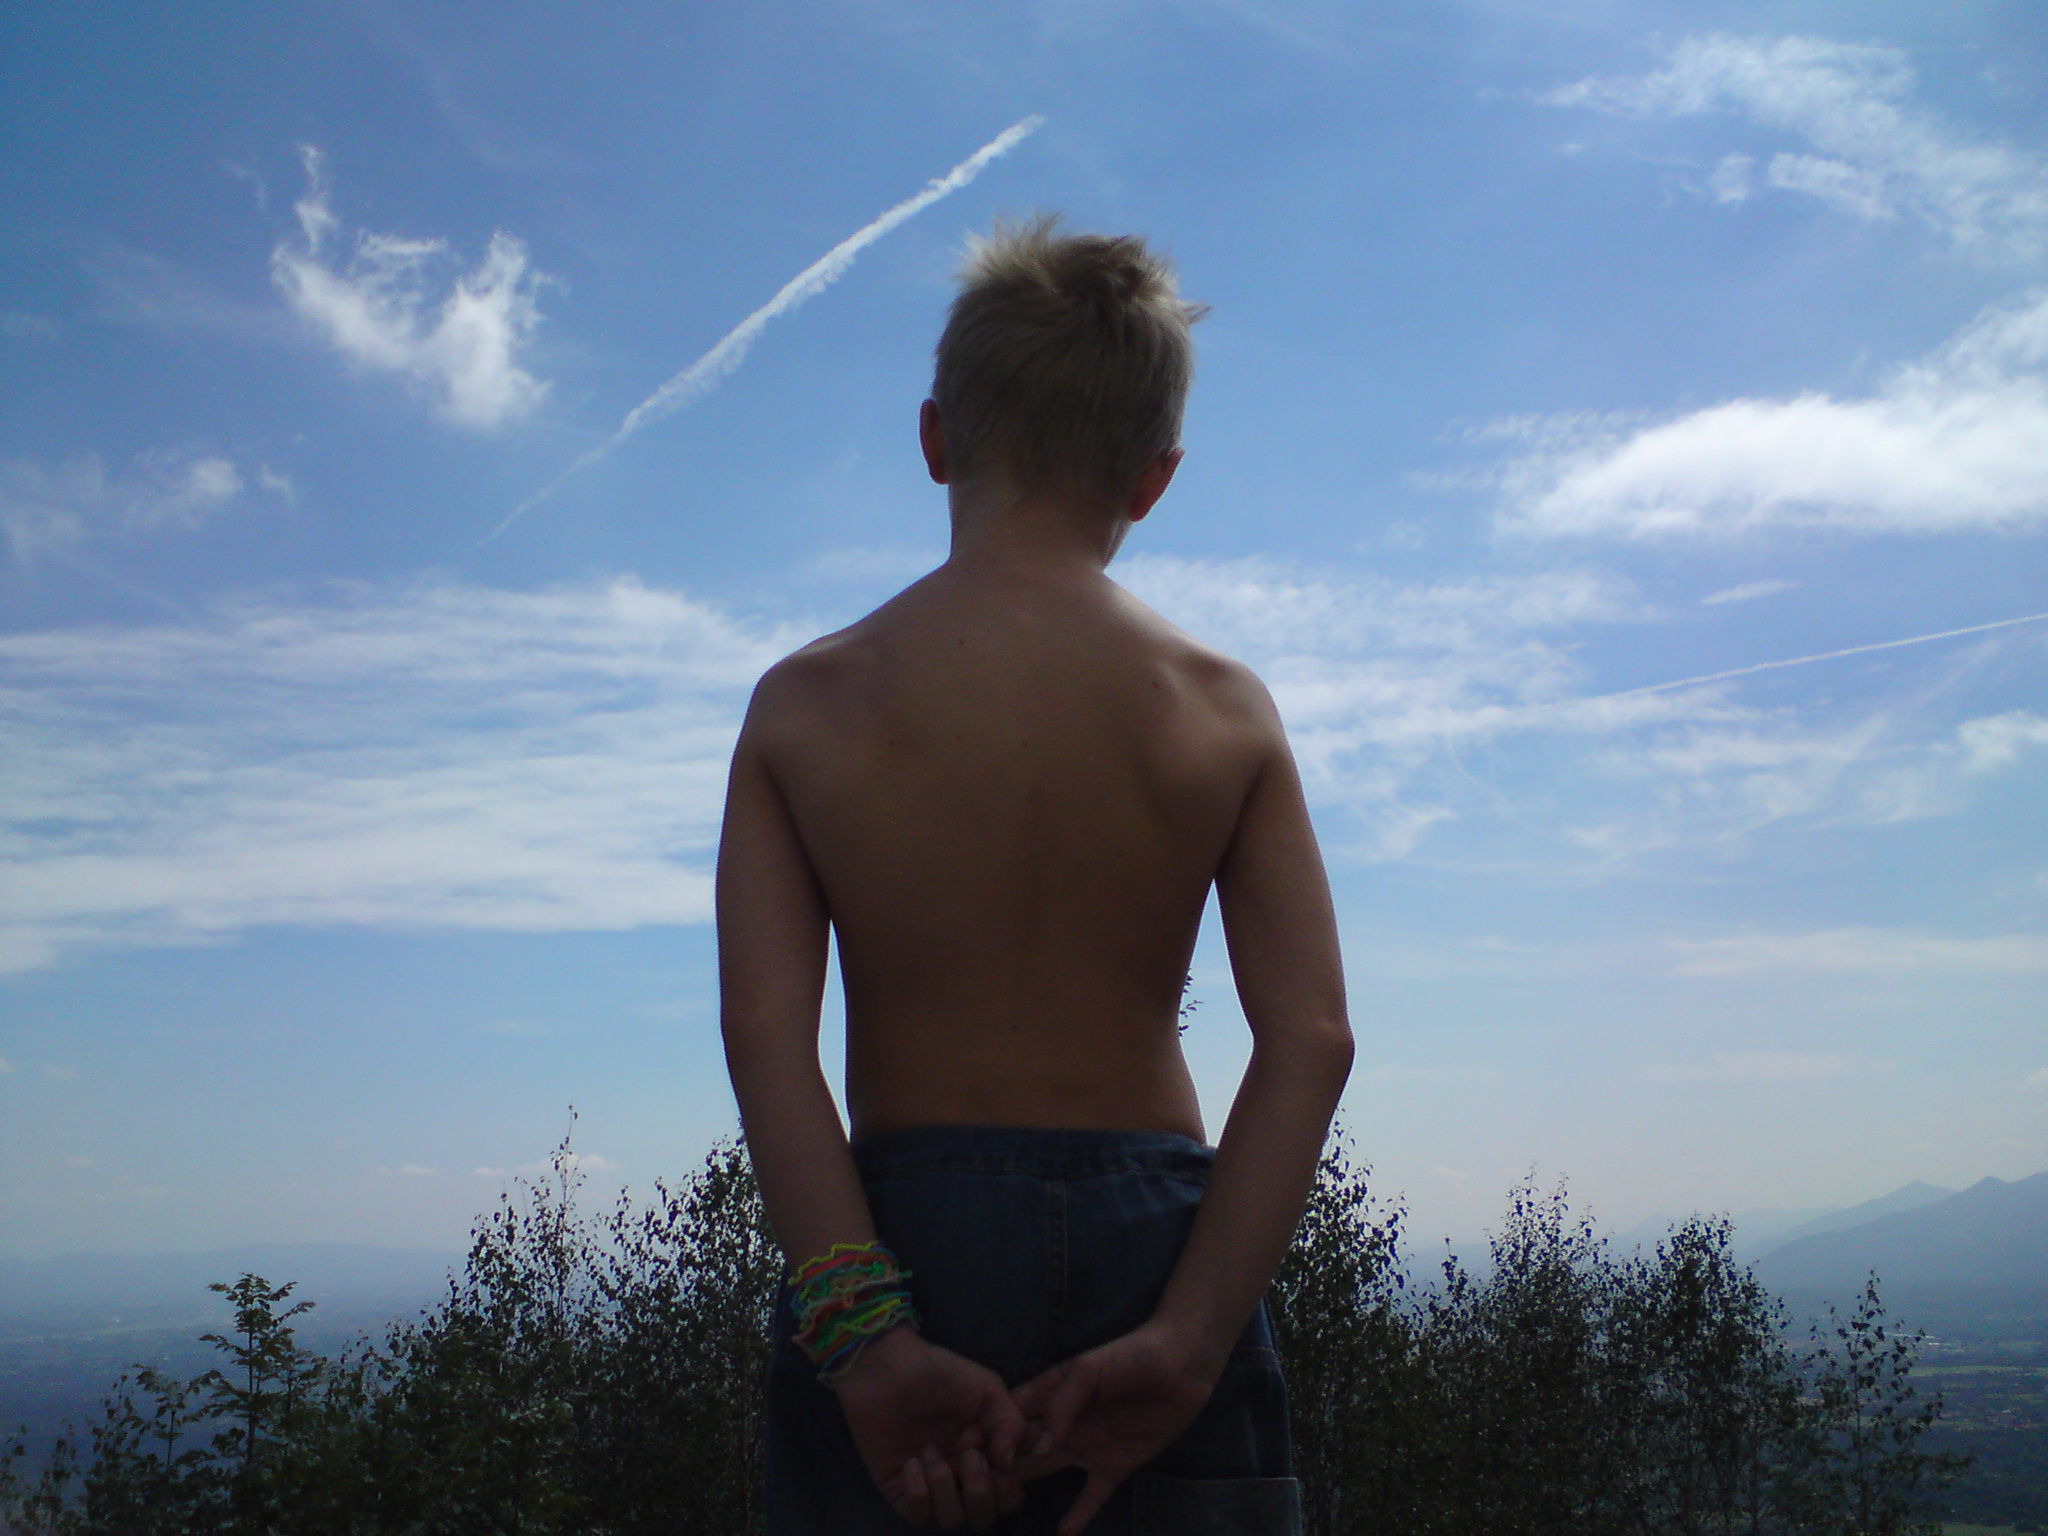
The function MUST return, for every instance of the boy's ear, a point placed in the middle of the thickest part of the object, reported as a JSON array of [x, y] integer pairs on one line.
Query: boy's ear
[[1152, 484], [931, 436]]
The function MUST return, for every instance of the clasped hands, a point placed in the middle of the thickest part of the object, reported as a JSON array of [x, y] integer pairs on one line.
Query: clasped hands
[[949, 1445]]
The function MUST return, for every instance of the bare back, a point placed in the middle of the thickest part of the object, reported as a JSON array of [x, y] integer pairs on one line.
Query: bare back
[[1014, 797]]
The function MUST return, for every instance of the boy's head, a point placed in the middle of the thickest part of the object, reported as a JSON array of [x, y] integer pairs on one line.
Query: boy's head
[[1065, 361]]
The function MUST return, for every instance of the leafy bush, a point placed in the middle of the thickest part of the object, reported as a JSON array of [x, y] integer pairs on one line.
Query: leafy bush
[[1573, 1391], [602, 1376]]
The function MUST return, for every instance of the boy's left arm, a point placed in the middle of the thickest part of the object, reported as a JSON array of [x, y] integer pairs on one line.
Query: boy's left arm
[[938, 1432]]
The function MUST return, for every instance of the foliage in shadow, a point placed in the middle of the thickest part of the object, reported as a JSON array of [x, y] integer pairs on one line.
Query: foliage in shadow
[[602, 1376], [1572, 1390]]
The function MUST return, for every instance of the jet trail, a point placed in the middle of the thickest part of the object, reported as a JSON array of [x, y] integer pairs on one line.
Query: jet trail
[[1800, 661], [703, 376]]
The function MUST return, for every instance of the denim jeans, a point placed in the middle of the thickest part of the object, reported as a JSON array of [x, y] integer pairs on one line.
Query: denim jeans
[[1026, 1247]]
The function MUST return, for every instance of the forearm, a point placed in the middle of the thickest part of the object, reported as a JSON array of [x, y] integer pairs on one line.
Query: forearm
[[1265, 1166], [809, 1185]]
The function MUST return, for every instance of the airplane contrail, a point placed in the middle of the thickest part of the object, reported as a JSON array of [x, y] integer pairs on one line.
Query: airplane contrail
[[1800, 661], [703, 376]]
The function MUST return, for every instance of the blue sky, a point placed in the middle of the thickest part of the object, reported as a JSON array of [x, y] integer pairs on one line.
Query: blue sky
[[1558, 351]]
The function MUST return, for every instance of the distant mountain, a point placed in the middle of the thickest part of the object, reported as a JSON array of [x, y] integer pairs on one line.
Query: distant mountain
[[1992, 1235], [1755, 1230], [1908, 1197]]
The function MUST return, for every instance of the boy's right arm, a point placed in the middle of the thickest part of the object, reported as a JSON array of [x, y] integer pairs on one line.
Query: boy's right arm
[[1114, 1408], [928, 1422]]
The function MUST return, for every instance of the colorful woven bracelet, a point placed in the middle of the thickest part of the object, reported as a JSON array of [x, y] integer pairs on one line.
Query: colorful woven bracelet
[[846, 1298]]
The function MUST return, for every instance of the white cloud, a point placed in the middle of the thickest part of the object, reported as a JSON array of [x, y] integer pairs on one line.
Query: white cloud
[[1376, 679], [2037, 1080], [580, 1162], [48, 508], [58, 1073], [1749, 591], [1754, 1067], [1393, 693], [1881, 155], [446, 755], [1956, 441], [1996, 741], [704, 375], [1730, 181], [6, 1066], [417, 1171], [1867, 951], [386, 308], [429, 755]]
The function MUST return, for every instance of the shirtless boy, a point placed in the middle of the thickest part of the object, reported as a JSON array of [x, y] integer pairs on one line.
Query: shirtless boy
[[1008, 792]]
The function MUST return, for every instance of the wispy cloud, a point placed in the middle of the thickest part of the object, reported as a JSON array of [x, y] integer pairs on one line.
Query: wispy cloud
[[258, 187], [47, 509], [1749, 591], [1756, 1067], [706, 373], [136, 288], [386, 307], [1881, 154], [1997, 741], [446, 755], [417, 756], [1956, 441], [1868, 951], [1378, 680], [590, 1162], [1415, 708], [1805, 661]]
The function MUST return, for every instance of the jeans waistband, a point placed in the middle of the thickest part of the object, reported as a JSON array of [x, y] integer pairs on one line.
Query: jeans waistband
[[1029, 1150]]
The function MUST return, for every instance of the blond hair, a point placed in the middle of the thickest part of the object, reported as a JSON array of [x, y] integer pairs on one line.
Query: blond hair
[[1065, 361]]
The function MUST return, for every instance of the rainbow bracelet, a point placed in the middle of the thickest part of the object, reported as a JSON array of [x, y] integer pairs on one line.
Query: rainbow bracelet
[[845, 1299]]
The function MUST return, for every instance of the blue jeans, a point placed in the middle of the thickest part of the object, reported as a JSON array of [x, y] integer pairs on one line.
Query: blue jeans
[[1026, 1247]]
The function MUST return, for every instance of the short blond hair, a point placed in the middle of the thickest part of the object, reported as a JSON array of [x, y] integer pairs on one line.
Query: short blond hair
[[1065, 361]]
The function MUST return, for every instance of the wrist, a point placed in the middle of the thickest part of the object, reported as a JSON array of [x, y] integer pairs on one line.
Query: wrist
[[1189, 1349], [876, 1354]]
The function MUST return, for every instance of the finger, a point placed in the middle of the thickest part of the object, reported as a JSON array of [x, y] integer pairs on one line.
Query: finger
[[947, 1514], [1037, 1438], [1009, 1493], [1002, 1421], [914, 1503], [1094, 1494], [977, 1490], [1033, 1393], [1063, 1405]]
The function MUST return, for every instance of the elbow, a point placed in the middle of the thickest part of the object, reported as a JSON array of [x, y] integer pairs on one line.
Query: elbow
[[1336, 1049], [1318, 1048]]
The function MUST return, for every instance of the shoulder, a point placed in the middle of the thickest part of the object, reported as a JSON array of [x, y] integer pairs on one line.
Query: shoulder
[[798, 693], [1223, 683]]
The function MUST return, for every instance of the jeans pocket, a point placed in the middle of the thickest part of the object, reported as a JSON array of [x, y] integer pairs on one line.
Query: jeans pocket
[[1220, 1506]]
